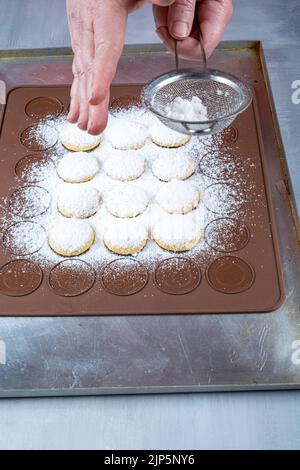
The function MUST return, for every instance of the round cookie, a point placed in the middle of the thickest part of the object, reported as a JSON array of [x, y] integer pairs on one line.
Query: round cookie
[[164, 137], [177, 232], [168, 167], [79, 201], [77, 140], [125, 166], [178, 197], [126, 201], [77, 167], [71, 237], [125, 236], [126, 135]]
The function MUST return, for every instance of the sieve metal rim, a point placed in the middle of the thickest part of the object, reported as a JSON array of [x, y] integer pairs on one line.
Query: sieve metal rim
[[155, 85]]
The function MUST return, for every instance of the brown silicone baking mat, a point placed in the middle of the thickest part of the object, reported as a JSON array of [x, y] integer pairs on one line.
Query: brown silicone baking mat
[[241, 274]]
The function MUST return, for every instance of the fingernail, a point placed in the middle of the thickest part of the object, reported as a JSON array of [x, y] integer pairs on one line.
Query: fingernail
[[180, 29]]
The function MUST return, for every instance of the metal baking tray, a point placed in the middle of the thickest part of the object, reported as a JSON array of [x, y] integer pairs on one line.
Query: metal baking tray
[[144, 354]]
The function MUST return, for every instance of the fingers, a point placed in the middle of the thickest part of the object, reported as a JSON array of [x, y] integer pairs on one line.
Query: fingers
[[82, 45], [214, 16], [180, 18], [109, 41], [162, 3]]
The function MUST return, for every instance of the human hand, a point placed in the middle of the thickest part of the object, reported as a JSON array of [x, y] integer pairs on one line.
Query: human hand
[[97, 29], [184, 20]]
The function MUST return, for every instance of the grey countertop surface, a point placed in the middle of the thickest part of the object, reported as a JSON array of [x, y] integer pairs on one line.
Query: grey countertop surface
[[226, 420]]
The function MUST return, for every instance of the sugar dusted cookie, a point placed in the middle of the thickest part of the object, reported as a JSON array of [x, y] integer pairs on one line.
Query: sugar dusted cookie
[[76, 140], [126, 200], [124, 166], [77, 167], [126, 135], [79, 201], [177, 233], [168, 167], [125, 236], [71, 237], [178, 197], [165, 137]]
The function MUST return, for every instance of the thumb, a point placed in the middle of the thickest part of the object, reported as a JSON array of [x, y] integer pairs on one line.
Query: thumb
[[180, 18]]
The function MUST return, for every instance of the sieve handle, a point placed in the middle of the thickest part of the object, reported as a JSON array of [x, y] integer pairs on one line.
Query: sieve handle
[[204, 58]]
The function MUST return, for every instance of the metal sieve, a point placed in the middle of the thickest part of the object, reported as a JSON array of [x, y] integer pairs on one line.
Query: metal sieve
[[224, 95]]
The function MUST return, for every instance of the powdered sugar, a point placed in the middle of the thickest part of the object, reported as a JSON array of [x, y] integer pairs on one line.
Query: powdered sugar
[[165, 137], [125, 234], [126, 135], [187, 110], [71, 136], [168, 167], [126, 201], [70, 235], [125, 166], [178, 231], [98, 254], [78, 201]]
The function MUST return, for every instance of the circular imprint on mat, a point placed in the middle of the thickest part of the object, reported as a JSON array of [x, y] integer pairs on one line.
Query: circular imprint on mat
[[34, 168], [44, 107], [124, 102], [71, 278], [19, 278], [230, 275], [31, 139], [218, 167], [223, 198], [177, 276], [24, 238], [124, 277], [30, 201], [226, 235]]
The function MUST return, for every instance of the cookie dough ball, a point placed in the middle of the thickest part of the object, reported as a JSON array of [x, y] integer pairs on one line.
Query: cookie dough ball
[[79, 201], [125, 236], [124, 135], [71, 237], [126, 166], [77, 167], [177, 233], [126, 200], [165, 137], [77, 140], [178, 197], [169, 167]]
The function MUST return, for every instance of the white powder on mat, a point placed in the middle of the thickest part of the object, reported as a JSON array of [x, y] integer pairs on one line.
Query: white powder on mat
[[125, 233], [98, 254]]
